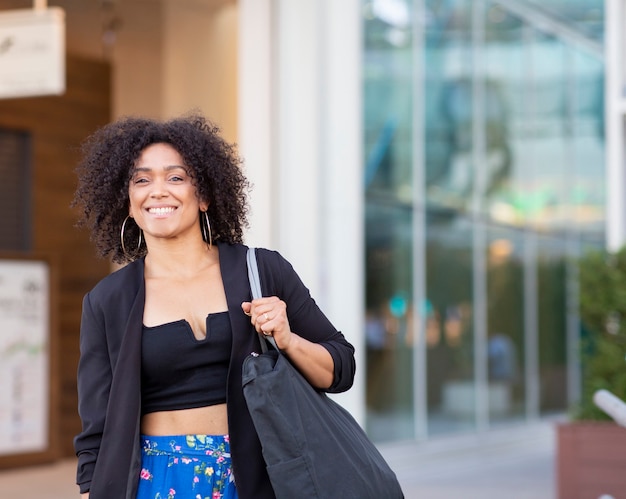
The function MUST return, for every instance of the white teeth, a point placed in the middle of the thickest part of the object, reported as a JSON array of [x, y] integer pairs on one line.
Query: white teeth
[[161, 211]]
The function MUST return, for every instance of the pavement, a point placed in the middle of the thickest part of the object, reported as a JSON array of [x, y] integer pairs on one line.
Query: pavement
[[508, 463], [517, 462]]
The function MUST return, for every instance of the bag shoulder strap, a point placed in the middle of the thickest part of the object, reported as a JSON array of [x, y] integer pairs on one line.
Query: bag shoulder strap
[[255, 287], [253, 274]]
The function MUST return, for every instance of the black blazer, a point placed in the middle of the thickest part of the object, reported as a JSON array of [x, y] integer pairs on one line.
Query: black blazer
[[109, 372]]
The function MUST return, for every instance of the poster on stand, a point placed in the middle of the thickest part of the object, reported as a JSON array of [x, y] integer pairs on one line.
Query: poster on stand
[[25, 356]]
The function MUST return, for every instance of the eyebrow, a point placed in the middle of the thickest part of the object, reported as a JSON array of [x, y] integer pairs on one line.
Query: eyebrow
[[167, 168]]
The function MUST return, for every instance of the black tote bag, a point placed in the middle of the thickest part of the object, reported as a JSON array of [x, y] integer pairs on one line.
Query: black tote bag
[[313, 447]]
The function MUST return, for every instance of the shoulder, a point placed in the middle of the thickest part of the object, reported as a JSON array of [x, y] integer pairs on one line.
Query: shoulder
[[278, 275], [270, 257], [231, 249], [237, 252], [276, 272], [124, 281], [273, 263]]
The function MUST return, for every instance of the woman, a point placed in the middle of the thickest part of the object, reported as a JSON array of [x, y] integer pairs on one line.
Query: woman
[[163, 338]]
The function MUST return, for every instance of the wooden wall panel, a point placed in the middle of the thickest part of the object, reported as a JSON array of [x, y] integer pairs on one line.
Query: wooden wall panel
[[58, 125]]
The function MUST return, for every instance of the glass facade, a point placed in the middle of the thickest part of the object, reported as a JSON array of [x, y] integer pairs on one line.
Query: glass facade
[[484, 175]]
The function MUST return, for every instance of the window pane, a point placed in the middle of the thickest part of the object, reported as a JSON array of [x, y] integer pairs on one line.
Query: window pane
[[388, 178], [15, 223], [449, 328], [448, 104], [588, 196], [505, 323], [389, 323], [551, 296]]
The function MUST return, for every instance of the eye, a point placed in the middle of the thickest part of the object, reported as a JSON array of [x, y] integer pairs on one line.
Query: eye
[[139, 180]]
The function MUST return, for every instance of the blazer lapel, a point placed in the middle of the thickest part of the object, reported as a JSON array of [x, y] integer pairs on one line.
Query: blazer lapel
[[235, 279]]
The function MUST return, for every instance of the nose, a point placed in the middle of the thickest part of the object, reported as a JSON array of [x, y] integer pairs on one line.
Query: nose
[[159, 189]]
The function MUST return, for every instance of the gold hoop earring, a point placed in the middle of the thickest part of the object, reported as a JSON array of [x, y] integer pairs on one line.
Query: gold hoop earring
[[122, 237], [208, 237]]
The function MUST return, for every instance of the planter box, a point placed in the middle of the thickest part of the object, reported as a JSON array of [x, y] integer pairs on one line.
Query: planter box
[[591, 460]]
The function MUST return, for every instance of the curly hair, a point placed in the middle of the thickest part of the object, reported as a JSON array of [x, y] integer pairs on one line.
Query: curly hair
[[108, 159]]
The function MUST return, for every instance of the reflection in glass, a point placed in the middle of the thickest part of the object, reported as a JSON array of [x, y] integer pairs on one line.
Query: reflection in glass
[[588, 195], [389, 323], [551, 297], [388, 183], [505, 325], [449, 175], [449, 325]]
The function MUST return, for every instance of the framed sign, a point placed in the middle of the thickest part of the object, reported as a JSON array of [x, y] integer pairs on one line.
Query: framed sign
[[32, 52], [26, 361]]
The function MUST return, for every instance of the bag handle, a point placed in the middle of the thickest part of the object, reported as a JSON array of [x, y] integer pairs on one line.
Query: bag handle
[[255, 287]]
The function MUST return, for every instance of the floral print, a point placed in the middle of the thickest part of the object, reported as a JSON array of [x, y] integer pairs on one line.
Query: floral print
[[186, 467]]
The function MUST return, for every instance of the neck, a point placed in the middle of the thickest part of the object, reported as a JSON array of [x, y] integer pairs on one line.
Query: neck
[[178, 260]]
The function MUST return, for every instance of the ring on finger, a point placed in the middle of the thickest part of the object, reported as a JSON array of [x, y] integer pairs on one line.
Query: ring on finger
[[266, 317], [267, 333]]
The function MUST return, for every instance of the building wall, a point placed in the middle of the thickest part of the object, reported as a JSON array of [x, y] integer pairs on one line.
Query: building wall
[[168, 57], [300, 129], [200, 61], [57, 126]]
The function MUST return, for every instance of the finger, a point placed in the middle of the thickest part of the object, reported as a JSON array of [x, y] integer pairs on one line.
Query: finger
[[246, 306], [259, 320], [266, 323], [266, 301]]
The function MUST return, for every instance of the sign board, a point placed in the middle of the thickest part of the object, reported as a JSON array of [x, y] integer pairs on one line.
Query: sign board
[[24, 356], [32, 52]]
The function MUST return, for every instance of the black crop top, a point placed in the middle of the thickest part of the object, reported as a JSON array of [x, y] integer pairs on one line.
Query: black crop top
[[178, 371]]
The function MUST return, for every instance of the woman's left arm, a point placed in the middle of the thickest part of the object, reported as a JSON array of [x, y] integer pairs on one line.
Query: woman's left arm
[[301, 330], [269, 316]]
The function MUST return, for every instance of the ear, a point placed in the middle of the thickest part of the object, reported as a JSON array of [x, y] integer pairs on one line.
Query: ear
[[204, 205]]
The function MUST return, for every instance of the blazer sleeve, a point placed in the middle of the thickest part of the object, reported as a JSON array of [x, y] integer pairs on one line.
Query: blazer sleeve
[[305, 317], [94, 383]]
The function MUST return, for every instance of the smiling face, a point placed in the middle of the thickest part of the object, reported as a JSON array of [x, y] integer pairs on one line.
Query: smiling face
[[163, 200]]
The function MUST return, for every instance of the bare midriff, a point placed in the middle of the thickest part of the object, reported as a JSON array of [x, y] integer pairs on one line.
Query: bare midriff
[[211, 420]]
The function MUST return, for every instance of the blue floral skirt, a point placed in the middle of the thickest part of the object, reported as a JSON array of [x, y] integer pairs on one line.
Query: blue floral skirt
[[186, 467]]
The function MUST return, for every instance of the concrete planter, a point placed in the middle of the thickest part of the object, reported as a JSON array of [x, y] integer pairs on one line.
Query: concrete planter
[[591, 460]]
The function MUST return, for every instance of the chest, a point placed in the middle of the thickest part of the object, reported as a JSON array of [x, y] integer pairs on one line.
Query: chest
[[191, 299]]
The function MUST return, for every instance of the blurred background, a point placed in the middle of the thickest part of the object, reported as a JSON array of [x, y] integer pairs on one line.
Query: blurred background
[[432, 168]]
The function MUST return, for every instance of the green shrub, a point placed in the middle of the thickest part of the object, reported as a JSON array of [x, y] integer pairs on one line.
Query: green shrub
[[602, 298]]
